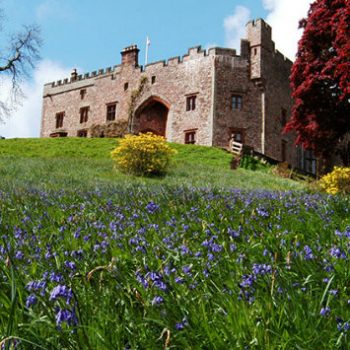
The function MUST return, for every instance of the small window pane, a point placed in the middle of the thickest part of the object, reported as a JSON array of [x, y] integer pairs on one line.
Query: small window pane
[[111, 112], [236, 102], [84, 114], [191, 103], [190, 137]]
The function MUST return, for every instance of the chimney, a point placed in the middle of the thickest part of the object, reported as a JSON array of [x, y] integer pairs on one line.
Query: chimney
[[130, 56]]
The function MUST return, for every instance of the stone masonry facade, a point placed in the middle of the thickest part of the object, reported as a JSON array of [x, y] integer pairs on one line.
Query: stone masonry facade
[[208, 98]]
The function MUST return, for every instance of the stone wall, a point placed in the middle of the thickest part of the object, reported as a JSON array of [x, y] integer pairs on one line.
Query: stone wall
[[232, 79], [270, 70], [169, 82]]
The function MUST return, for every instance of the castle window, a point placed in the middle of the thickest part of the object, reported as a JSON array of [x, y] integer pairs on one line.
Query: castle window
[[82, 93], [111, 111], [237, 102], [59, 120], [153, 79], [306, 160], [84, 114], [126, 86], [191, 103], [283, 117], [82, 133], [190, 136]]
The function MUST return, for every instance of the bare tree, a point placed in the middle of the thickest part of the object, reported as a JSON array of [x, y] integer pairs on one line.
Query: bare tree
[[16, 62]]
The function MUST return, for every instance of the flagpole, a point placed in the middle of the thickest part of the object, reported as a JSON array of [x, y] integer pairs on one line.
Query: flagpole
[[148, 42]]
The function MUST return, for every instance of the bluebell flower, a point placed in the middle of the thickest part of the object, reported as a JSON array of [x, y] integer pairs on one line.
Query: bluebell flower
[[19, 255], [36, 285], [31, 300], [61, 291], [66, 316], [337, 253], [261, 269], [157, 300], [308, 253], [325, 311], [179, 280], [142, 280], [56, 277], [187, 269], [233, 247], [181, 325], [152, 207], [70, 265]]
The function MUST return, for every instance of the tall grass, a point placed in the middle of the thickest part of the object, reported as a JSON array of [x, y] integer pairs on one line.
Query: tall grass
[[174, 268]]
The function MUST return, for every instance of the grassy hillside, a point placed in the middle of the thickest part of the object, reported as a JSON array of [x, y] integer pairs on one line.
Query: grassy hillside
[[78, 163]]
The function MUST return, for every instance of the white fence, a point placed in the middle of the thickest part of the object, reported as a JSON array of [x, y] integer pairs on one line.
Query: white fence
[[236, 147]]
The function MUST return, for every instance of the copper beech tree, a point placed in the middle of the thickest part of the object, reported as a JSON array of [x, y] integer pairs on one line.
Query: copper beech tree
[[320, 80], [16, 61]]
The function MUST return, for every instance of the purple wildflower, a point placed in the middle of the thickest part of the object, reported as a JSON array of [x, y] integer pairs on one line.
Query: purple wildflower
[[70, 265], [308, 253], [31, 300], [325, 311], [63, 292], [152, 207], [66, 316], [157, 300]]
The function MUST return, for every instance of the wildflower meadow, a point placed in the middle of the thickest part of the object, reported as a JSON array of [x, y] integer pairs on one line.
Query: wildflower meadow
[[174, 268]]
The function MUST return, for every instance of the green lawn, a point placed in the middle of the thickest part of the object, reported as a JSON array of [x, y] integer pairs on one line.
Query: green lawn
[[78, 163]]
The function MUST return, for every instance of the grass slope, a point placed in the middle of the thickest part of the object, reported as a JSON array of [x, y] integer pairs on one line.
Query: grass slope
[[78, 163]]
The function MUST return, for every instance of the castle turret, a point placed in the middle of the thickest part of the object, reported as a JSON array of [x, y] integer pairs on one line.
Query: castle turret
[[130, 56], [259, 35]]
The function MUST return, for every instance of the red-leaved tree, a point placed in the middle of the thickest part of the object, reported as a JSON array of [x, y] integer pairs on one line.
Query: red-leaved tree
[[320, 80]]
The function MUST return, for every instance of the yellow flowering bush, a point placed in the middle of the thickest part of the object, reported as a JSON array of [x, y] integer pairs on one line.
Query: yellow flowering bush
[[143, 155], [338, 181]]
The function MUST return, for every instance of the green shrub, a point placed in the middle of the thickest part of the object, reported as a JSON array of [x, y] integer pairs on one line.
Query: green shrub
[[283, 170], [143, 155], [252, 163]]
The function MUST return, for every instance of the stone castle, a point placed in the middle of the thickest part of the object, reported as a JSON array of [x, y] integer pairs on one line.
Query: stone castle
[[208, 98]]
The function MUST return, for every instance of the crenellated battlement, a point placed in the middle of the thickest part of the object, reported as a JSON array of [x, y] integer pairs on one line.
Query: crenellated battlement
[[79, 77], [259, 34], [195, 52]]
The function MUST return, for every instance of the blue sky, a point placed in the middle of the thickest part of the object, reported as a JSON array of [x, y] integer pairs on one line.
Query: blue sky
[[89, 34]]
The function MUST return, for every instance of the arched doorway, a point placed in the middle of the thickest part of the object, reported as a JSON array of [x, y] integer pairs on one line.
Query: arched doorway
[[151, 116]]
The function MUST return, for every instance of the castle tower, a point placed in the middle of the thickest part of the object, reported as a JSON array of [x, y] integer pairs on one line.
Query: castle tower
[[261, 46], [130, 56]]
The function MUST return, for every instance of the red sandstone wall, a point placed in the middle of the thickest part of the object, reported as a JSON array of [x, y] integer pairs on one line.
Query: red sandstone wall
[[232, 78], [172, 83]]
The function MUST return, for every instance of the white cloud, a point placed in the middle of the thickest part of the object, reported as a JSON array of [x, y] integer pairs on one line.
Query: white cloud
[[235, 27], [25, 121], [284, 17]]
